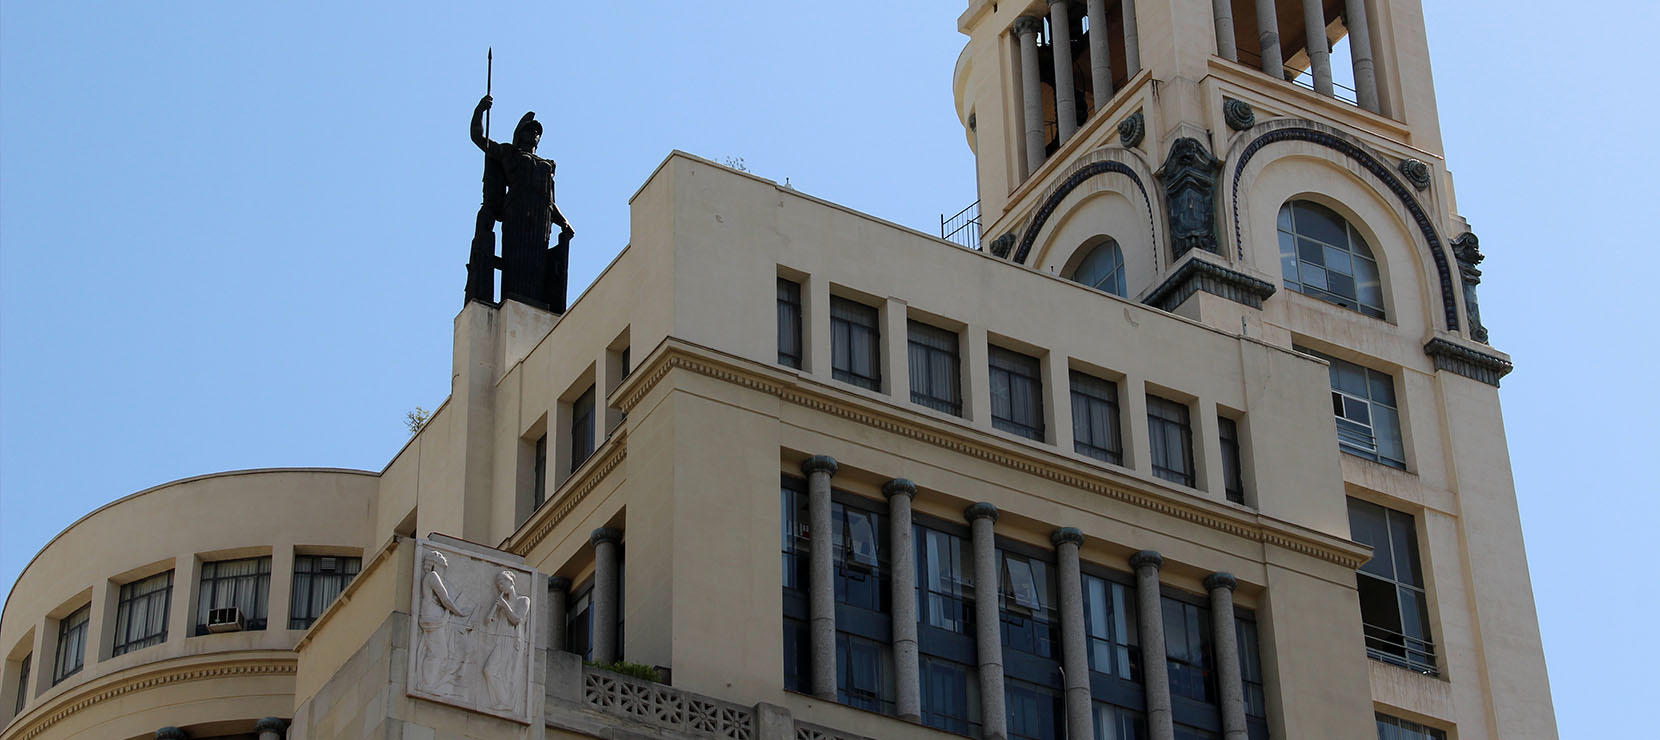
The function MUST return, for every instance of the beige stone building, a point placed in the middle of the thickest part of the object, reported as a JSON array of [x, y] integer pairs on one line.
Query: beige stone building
[[1192, 431]]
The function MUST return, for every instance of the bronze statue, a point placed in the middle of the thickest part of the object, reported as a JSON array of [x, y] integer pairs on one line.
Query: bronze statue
[[518, 192]]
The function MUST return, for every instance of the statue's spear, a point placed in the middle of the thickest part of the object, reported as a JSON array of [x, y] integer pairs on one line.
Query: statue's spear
[[489, 73]]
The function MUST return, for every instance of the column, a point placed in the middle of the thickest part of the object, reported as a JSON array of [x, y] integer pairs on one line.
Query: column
[[1268, 36], [271, 728], [559, 595], [988, 637], [821, 585], [907, 668], [1074, 647], [1226, 643], [1066, 106], [1031, 89], [171, 733], [1100, 53], [1132, 41], [1226, 47], [1319, 49], [605, 541], [1360, 50], [1155, 672]]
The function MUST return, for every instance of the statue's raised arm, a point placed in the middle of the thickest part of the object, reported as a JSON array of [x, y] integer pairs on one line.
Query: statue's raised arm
[[479, 140]]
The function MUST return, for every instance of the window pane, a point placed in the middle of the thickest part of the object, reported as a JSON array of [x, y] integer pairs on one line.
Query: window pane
[[1338, 261], [1321, 223]]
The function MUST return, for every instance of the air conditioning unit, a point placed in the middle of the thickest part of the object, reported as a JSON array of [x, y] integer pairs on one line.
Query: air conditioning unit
[[227, 619]]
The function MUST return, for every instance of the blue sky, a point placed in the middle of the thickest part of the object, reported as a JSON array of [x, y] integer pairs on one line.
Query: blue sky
[[234, 236]]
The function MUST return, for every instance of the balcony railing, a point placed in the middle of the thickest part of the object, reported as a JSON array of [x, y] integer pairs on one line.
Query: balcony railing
[[962, 228], [1302, 78], [1405, 651]]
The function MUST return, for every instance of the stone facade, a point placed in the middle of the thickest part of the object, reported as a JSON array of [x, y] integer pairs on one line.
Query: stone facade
[[1212, 480]]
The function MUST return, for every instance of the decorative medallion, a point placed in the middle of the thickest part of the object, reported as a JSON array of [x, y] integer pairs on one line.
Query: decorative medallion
[[1001, 245], [1238, 114], [1416, 172], [1132, 130]]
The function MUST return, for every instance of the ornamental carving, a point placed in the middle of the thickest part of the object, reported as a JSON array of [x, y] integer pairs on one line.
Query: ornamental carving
[[1132, 130], [1415, 172], [1238, 114], [471, 639], [1467, 251], [1189, 176], [1001, 245]]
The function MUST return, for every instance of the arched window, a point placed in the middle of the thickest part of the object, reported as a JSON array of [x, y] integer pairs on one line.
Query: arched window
[[1323, 256], [1102, 268]]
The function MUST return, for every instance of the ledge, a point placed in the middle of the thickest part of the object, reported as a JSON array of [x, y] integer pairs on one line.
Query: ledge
[[674, 354], [1199, 274], [1468, 362]]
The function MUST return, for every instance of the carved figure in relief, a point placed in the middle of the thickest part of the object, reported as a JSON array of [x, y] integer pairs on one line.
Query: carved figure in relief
[[504, 630], [439, 662]]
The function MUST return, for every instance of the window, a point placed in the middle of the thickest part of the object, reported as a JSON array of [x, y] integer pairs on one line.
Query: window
[[1233, 482], [1170, 438], [582, 428], [1016, 393], [1323, 256], [71, 644], [863, 677], [234, 583], [1030, 624], [318, 579], [950, 701], [1391, 728], [1034, 712], [861, 557], [855, 344], [1394, 612], [935, 378], [579, 621], [1109, 626], [1095, 418], [947, 579], [1118, 723], [789, 323], [23, 683], [539, 486], [1187, 644], [141, 613], [623, 362], [1250, 670], [1102, 269], [1368, 419]]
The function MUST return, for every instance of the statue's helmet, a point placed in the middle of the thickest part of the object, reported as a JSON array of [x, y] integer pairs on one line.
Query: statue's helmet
[[529, 130]]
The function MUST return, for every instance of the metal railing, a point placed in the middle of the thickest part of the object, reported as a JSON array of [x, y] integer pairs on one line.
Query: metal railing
[[1405, 651], [962, 228], [1302, 78]]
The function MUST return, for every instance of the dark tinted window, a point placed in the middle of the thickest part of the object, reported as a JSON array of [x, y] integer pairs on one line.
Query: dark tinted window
[[318, 581], [1170, 438], [1394, 608], [141, 613], [855, 344], [582, 428], [1095, 429], [1232, 480], [1016, 393], [1323, 256], [789, 323], [935, 376]]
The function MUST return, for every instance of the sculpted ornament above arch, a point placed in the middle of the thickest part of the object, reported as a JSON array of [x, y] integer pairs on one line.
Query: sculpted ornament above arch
[[472, 631]]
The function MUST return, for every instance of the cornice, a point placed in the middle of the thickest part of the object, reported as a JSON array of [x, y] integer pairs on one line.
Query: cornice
[[107, 689], [606, 459], [1198, 274], [1468, 362], [674, 354]]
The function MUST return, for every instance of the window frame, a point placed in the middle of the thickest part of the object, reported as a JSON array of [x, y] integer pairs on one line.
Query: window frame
[[1085, 400], [1361, 438], [846, 330], [1355, 250], [1233, 471], [582, 428], [789, 323], [205, 598], [938, 363], [24, 668], [1116, 276], [127, 600], [1159, 427], [340, 578], [1401, 648], [1007, 369], [69, 655]]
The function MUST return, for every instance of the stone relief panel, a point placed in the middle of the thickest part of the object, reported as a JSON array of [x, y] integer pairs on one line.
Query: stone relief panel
[[472, 630]]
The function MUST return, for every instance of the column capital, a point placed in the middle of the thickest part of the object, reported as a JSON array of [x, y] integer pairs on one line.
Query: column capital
[[1053, 2], [980, 510], [1027, 24], [1147, 557], [899, 487], [606, 534], [1221, 580], [1065, 535], [559, 583], [819, 463], [271, 724], [171, 733]]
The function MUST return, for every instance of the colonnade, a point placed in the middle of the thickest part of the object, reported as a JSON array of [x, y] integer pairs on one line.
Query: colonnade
[[982, 518], [603, 599], [1027, 27], [1319, 49]]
